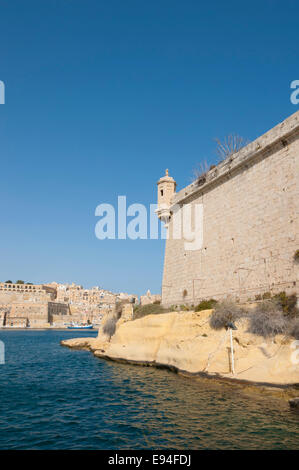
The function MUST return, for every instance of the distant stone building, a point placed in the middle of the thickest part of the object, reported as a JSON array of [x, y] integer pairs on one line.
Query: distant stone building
[[37, 314], [28, 289], [55, 304], [149, 298], [249, 229], [76, 294], [131, 298], [30, 305]]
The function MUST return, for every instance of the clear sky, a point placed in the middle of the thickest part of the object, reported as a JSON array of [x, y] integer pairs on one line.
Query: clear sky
[[102, 96]]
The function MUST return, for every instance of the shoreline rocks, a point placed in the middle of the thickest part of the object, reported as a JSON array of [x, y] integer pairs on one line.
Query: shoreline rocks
[[294, 403], [184, 343]]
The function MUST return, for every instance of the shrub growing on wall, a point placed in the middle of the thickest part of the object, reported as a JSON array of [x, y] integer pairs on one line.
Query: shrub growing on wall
[[230, 145]]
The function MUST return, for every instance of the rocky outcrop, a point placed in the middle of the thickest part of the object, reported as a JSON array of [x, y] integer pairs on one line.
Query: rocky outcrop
[[184, 342], [294, 403]]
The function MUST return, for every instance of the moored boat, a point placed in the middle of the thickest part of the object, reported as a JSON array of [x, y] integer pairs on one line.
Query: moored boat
[[76, 326]]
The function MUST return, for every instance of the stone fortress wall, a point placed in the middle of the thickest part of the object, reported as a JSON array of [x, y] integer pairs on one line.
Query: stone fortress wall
[[250, 224], [27, 290]]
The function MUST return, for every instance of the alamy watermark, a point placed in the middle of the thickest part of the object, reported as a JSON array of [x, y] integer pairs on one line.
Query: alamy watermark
[[2, 353], [2, 92], [295, 94], [186, 223]]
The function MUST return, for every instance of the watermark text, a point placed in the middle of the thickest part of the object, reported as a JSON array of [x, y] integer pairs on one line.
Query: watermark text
[[137, 222], [295, 94], [2, 92]]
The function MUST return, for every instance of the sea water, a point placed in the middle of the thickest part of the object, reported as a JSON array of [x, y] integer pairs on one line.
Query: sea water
[[52, 397]]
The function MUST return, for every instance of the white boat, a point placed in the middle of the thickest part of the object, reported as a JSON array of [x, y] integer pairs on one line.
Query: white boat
[[81, 326]]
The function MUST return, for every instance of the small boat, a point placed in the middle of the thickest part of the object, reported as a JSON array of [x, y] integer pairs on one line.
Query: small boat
[[75, 326]]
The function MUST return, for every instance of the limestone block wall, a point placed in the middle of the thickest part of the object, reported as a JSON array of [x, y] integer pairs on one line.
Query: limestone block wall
[[58, 308], [28, 290], [58, 313], [61, 320], [35, 312], [2, 317], [250, 225], [8, 296], [149, 298], [20, 322], [127, 312]]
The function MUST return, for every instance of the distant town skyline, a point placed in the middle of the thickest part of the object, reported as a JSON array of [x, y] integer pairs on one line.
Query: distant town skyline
[[101, 98], [20, 281]]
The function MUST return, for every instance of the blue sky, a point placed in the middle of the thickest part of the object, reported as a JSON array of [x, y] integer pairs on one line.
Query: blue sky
[[102, 96]]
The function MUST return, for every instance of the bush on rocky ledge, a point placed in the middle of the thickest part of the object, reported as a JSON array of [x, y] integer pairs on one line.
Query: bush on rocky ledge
[[205, 305], [267, 320], [294, 328], [109, 326], [277, 315], [150, 309], [225, 312], [287, 303]]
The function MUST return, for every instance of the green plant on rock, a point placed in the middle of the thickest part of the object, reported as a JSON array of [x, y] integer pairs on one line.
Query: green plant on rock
[[266, 295], [173, 308], [287, 303], [150, 309], [205, 305], [184, 308]]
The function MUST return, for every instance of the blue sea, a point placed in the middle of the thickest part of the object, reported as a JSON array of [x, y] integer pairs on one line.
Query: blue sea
[[52, 397]]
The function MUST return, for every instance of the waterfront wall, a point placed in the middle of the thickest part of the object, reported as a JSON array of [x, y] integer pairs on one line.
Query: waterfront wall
[[35, 314], [250, 225], [27, 289]]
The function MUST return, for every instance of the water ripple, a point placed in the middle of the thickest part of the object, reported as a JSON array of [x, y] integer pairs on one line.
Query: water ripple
[[55, 398]]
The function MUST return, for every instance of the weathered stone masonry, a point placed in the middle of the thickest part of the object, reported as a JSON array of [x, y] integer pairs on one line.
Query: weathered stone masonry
[[250, 224]]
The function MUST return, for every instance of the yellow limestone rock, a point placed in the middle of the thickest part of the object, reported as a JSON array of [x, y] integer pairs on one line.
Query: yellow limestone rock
[[185, 341]]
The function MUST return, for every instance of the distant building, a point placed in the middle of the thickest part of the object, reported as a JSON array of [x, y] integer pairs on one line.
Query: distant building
[[131, 298], [27, 288], [55, 304], [149, 298]]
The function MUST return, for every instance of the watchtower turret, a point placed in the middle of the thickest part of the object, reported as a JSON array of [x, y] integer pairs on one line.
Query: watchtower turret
[[166, 189]]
